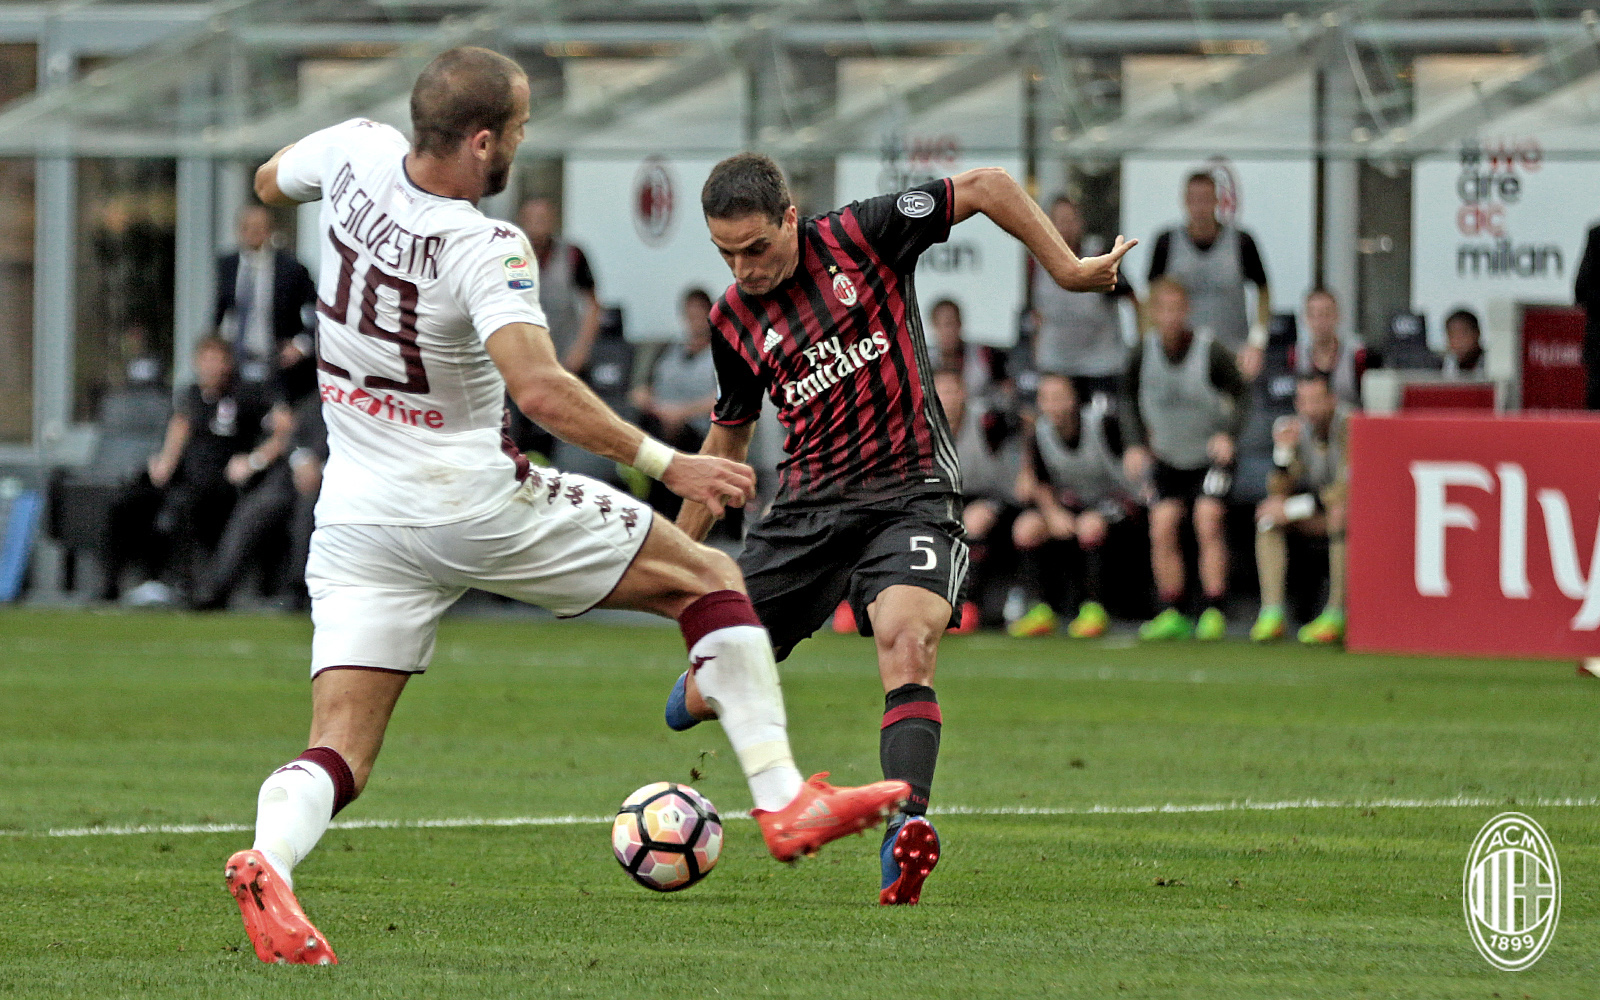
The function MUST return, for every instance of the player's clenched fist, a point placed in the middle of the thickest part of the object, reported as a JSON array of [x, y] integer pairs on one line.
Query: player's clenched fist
[[718, 483]]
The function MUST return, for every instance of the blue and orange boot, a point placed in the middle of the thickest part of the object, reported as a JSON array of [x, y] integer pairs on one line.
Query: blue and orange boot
[[910, 850], [678, 716]]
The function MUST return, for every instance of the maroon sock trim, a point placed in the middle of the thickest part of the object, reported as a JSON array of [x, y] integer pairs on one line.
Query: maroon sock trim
[[912, 710], [718, 609], [344, 783]]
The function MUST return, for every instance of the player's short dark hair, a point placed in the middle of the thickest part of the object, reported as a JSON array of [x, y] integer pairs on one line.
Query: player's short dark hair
[[699, 295], [462, 92], [1201, 177], [945, 304], [746, 184], [1466, 316]]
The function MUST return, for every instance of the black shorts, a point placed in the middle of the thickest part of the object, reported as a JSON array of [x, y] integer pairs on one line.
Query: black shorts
[[1186, 485], [799, 563]]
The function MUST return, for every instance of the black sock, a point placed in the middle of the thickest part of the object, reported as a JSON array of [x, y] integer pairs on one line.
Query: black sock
[[908, 743], [1091, 574], [1028, 575]]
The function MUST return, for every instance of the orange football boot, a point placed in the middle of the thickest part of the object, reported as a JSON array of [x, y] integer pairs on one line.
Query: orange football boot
[[822, 813], [272, 917]]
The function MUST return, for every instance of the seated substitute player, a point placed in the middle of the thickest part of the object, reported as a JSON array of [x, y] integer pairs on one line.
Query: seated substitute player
[[1073, 475], [1184, 402], [1305, 494], [429, 313], [822, 317]]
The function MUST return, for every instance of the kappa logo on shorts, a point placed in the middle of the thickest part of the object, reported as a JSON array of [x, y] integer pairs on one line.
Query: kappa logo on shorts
[[915, 204], [602, 503], [575, 494], [630, 517], [555, 489], [535, 481]]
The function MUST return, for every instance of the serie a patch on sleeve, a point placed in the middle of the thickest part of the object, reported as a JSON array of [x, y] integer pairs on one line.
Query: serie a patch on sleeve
[[519, 272]]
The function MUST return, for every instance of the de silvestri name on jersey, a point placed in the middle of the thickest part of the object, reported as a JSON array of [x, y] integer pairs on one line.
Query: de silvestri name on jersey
[[410, 286]]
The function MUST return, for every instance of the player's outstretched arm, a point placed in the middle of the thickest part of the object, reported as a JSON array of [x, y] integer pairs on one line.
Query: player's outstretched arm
[[267, 181], [993, 192], [730, 443], [558, 401]]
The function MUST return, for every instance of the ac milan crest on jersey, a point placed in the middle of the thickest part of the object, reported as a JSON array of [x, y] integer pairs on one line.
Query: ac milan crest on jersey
[[844, 289]]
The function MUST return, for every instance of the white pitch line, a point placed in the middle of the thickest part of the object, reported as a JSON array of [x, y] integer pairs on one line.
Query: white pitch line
[[1457, 802]]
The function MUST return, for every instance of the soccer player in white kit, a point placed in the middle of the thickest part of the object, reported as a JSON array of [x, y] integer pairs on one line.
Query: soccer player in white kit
[[429, 314]]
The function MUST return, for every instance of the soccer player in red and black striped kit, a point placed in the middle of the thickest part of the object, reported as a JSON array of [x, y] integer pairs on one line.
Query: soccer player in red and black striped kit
[[822, 317]]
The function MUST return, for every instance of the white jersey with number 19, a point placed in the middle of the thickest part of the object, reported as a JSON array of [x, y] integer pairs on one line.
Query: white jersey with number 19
[[410, 287]]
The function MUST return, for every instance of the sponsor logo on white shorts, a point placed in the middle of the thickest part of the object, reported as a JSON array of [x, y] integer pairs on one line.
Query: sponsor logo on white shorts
[[1511, 891]]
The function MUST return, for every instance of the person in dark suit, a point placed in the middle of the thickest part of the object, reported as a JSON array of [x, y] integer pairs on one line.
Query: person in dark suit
[[264, 308], [1586, 294]]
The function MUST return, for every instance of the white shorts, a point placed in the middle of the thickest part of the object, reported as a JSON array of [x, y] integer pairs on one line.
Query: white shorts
[[562, 541]]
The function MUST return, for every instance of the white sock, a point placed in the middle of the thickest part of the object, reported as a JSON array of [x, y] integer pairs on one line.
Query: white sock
[[738, 678], [292, 812]]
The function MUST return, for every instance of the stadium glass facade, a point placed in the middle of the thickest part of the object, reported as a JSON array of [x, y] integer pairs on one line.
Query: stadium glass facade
[[1377, 149]]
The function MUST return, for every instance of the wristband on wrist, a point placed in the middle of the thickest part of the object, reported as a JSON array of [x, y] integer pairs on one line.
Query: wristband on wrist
[[1299, 507], [653, 457]]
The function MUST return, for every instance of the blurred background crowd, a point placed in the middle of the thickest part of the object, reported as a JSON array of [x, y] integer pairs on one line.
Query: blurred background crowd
[[1171, 452]]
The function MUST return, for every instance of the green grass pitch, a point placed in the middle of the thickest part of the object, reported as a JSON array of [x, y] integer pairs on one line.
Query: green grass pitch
[[114, 721]]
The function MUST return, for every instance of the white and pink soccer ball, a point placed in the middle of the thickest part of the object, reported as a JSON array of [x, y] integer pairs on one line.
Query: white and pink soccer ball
[[667, 836]]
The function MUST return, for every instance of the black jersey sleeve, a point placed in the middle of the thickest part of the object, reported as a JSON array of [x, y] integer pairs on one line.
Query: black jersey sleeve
[[901, 226], [1159, 254], [739, 386], [1250, 262]]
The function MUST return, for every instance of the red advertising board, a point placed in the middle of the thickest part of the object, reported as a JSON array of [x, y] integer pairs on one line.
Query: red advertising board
[[1553, 376], [1475, 534]]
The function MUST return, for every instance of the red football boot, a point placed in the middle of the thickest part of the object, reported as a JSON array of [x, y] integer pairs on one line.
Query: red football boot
[[822, 813], [272, 917], [909, 855]]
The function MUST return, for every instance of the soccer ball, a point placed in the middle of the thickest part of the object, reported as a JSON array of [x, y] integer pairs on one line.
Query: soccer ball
[[667, 836]]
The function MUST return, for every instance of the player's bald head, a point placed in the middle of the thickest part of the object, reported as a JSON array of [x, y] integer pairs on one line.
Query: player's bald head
[[462, 92]]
